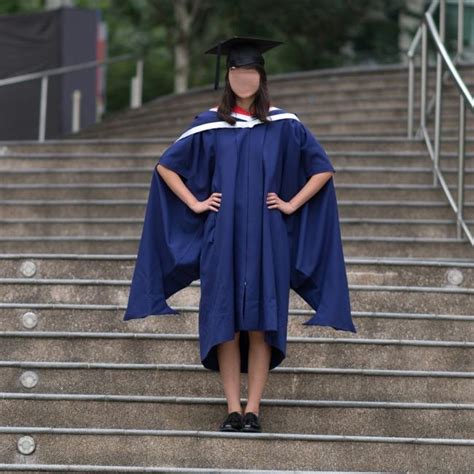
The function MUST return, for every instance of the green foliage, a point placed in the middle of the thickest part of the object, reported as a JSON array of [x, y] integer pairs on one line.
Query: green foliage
[[19, 6], [316, 34]]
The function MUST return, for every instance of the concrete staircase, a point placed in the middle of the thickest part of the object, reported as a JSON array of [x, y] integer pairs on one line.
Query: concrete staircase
[[82, 390]]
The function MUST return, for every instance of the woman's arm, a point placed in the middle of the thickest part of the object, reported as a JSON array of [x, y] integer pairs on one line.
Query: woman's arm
[[174, 181], [312, 186], [176, 184]]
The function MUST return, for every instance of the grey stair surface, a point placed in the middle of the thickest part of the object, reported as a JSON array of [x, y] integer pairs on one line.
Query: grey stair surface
[[98, 394], [330, 101]]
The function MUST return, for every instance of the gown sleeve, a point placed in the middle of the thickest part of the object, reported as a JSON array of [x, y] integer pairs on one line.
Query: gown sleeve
[[318, 272], [170, 244]]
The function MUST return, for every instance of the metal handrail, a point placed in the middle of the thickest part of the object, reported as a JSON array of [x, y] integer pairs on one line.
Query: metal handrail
[[442, 56], [136, 89], [411, 73]]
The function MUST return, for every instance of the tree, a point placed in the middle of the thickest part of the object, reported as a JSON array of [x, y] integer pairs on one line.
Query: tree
[[185, 13]]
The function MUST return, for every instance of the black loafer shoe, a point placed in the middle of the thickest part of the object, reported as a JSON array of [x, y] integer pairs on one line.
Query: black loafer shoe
[[251, 422], [232, 422]]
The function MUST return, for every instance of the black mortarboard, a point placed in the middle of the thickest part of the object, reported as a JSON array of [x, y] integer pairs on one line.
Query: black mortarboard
[[240, 51]]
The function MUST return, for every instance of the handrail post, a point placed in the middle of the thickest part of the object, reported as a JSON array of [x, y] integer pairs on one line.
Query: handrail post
[[439, 92], [460, 45], [411, 85], [76, 111], [133, 92], [424, 56], [136, 86], [43, 109], [461, 148], [139, 73], [462, 127]]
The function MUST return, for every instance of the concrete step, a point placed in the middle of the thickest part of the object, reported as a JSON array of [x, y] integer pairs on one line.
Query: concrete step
[[331, 143], [135, 208], [114, 468], [130, 146], [376, 127], [311, 106], [304, 351], [387, 144], [395, 298], [325, 86], [376, 271], [85, 161], [408, 247], [346, 191], [317, 80], [133, 191], [422, 175], [329, 110], [52, 161], [343, 77], [320, 92], [305, 106], [329, 116], [326, 97], [140, 448], [296, 101], [362, 128], [138, 146], [136, 380], [131, 227], [163, 125], [393, 228], [329, 417], [365, 246], [74, 191], [392, 209], [398, 191], [376, 323], [133, 175]]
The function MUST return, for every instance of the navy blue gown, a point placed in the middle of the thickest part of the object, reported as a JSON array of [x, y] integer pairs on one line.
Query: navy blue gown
[[246, 256]]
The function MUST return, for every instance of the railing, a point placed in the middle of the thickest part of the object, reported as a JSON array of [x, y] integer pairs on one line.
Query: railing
[[136, 87], [428, 25]]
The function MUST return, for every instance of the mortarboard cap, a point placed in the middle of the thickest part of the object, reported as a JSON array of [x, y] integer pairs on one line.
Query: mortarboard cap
[[240, 51]]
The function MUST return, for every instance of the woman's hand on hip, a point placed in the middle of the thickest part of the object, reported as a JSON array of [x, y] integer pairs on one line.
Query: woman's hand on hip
[[274, 202], [212, 203]]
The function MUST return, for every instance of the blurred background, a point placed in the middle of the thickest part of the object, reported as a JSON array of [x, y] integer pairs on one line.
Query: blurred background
[[171, 36]]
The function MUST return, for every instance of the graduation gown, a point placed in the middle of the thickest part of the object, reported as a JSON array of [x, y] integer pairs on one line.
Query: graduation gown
[[246, 256]]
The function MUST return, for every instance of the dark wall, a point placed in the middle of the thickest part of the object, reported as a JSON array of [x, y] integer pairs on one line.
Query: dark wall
[[39, 41], [79, 32]]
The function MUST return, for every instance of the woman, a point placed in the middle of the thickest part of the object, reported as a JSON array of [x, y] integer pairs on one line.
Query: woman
[[244, 201]]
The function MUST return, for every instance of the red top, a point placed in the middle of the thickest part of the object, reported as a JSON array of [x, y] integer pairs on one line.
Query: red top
[[240, 110]]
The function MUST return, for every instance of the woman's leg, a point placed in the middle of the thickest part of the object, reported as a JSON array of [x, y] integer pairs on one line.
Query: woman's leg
[[259, 362], [228, 354]]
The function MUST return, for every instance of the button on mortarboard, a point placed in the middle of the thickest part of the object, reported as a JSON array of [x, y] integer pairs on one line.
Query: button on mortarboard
[[241, 51]]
